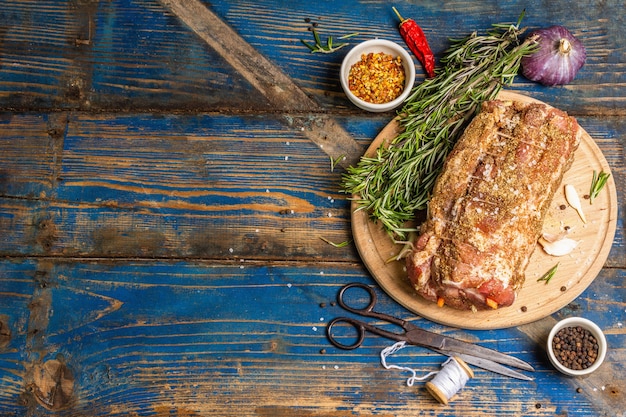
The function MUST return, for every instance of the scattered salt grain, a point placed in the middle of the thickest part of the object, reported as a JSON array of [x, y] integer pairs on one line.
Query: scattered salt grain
[[314, 328]]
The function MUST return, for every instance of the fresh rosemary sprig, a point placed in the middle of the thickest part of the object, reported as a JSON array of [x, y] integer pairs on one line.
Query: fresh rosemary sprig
[[398, 179], [598, 181], [550, 274], [335, 161], [325, 47], [336, 245]]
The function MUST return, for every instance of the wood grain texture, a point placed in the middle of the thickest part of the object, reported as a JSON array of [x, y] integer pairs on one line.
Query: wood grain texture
[[144, 335], [139, 56], [161, 219], [182, 181]]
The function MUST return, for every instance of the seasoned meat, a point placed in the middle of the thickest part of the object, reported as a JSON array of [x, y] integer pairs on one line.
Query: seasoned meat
[[489, 203]]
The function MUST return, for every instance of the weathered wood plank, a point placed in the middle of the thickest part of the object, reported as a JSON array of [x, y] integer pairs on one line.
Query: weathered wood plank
[[137, 55], [273, 183], [211, 338], [161, 218], [174, 186], [601, 35], [112, 55]]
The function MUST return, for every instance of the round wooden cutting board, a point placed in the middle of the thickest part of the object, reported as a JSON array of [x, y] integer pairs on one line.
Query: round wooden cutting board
[[535, 300]]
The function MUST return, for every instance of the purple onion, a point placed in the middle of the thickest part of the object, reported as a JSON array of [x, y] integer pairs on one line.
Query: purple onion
[[557, 60]]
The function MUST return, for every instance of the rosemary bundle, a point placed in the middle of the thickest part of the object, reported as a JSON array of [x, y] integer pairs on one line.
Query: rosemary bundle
[[396, 182]]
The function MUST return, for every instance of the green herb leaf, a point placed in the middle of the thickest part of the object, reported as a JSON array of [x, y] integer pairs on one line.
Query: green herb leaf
[[325, 47], [548, 275], [598, 181], [316, 36], [337, 245], [349, 35], [308, 45], [334, 162]]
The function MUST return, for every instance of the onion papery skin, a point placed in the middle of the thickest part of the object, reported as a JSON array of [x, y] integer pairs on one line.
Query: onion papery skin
[[549, 65]]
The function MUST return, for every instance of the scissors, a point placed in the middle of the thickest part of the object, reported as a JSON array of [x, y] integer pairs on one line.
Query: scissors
[[479, 356]]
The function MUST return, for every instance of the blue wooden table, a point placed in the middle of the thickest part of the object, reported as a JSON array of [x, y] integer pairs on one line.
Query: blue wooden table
[[167, 195]]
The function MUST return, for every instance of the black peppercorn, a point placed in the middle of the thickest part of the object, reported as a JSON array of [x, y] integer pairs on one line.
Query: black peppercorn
[[575, 347]]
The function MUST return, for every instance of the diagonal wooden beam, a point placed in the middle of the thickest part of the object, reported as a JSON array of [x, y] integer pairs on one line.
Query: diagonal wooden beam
[[266, 77], [277, 87]]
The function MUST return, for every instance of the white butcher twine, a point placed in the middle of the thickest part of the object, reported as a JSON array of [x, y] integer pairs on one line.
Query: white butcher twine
[[452, 377]]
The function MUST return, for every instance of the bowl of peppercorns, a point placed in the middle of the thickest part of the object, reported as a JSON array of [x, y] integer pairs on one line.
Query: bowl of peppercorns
[[377, 75], [576, 346]]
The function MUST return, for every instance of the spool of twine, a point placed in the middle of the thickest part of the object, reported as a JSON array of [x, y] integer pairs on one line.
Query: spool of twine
[[450, 380], [446, 382]]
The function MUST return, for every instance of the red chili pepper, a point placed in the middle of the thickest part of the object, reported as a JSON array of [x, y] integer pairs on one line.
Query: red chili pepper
[[417, 43]]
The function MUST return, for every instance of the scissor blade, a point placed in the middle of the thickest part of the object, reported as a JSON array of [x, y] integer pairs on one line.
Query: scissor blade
[[485, 353], [488, 365], [448, 346]]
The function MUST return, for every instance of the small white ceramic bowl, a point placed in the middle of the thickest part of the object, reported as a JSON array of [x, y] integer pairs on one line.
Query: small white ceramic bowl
[[378, 46], [585, 324]]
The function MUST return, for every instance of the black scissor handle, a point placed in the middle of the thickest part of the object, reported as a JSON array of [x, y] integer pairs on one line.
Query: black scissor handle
[[357, 325], [360, 326], [365, 311]]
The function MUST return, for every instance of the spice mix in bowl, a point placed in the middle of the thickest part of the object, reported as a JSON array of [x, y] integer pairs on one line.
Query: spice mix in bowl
[[576, 346], [377, 75]]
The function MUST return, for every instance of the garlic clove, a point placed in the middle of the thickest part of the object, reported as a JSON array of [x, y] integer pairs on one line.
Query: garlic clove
[[572, 198], [553, 237], [559, 247]]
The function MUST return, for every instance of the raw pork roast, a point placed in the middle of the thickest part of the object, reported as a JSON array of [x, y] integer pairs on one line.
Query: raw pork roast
[[489, 203]]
